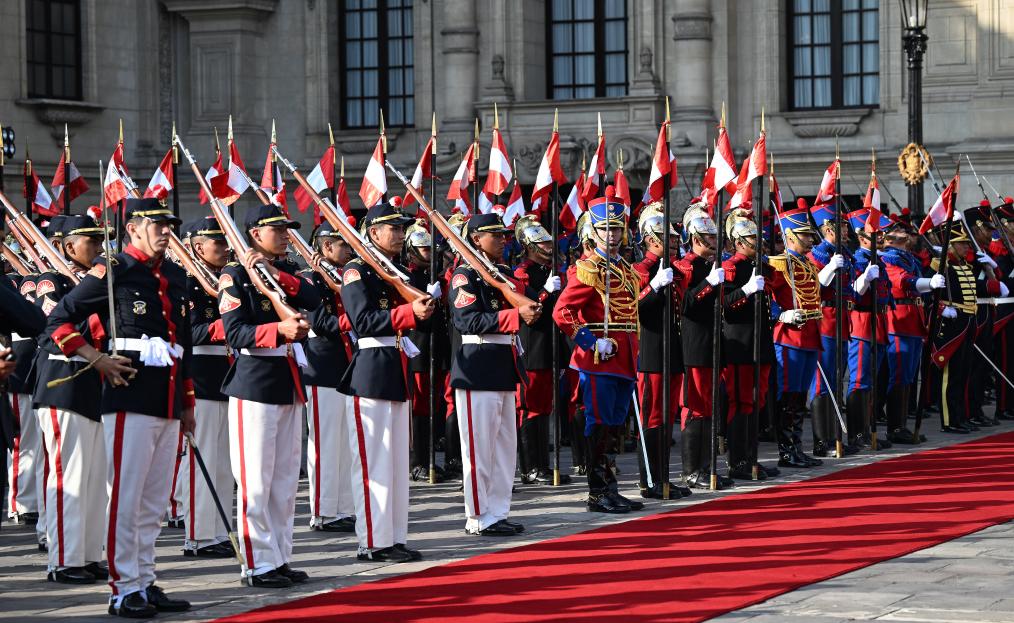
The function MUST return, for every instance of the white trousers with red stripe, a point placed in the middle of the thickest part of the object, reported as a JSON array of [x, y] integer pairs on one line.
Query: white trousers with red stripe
[[76, 495], [25, 463], [328, 459], [264, 443], [141, 450], [378, 436], [489, 443], [204, 525]]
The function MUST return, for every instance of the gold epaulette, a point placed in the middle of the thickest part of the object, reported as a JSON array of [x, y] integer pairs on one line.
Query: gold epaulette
[[778, 262], [587, 272], [935, 264]]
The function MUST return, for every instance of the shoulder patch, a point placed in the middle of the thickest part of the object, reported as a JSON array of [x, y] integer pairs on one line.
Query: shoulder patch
[[464, 299], [27, 288], [228, 303], [458, 281], [45, 287], [225, 281], [98, 271], [351, 275], [48, 305]]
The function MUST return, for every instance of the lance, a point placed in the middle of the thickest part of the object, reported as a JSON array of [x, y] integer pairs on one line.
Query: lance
[[473, 175], [66, 170], [432, 334], [665, 438], [214, 496], [992, 213], [334, 164], [109, 267], [993, 365], [875, 302], [119, 210], [839, 300], [716, 337], [175, 163], [759, 305], [229, 141], [554, 220]]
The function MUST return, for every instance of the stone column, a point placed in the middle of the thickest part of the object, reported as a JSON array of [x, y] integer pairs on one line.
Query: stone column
[[460, 58], [692, 68]]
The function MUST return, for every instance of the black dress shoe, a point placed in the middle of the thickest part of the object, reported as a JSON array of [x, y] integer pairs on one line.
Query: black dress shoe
[[788, 457], [771, 471], [536, 477], [270, 579], [603, 503], [297, 576], [345, 524], [163, 602], [742, 471], [29, 519], [414, 553], [133, 606], [820, 449], [619, 499], [954, 429], [725, 482], [71, 575], [699, 480], [100, 572], [44, 548], [176, 524], [902, 436], [968, 426], [497, 529], [387, 554], [216, 550], [513, 525], [812, 462], [884, 443], [1005, 415], [579, 470]]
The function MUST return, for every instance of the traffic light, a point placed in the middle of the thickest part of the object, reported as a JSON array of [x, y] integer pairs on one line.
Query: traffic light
[[8, 140]]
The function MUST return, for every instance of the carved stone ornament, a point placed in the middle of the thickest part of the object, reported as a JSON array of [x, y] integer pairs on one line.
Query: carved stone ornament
[[498, 65], [688, 26], [914, 169]]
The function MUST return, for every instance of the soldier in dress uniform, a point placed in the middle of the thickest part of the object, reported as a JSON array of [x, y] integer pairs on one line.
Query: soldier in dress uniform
[[378, 387], [700, 282], [1005, 313], [906, 326], [266, 397], [328, 351], [535, 400], [417, 252], [746, 274], [484, 374], [651, 312], [147, 394], [452, 444], [70, 418], [206, 535], [606, 344]]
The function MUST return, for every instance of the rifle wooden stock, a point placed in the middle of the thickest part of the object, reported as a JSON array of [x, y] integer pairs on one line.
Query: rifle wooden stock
[[33, 256], [467, 253], [405, 290], [18, 221], [14, 260], [262, 281]]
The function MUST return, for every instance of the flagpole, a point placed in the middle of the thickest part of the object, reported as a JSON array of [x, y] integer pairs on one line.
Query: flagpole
[[554, 220], [475, 166], [665, 438], [66, 170], [875, 367], [175, 161], [716, 338], [432, 335], [2, 162], [759, 304], [334, 168], [27, 174], [839, 303], [383, 147], [232, 205], [118, 212]]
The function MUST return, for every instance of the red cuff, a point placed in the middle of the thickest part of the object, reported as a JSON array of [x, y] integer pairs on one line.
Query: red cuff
[[344, 323], [706, 291], [543, 296], [216, 331], [266, 335], [402, 317], [189, 399], [993, 287], [289, 283], [508, 321], [68, 339]]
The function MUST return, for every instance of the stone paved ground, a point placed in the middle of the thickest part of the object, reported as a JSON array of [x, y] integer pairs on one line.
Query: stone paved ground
[[968, 579]]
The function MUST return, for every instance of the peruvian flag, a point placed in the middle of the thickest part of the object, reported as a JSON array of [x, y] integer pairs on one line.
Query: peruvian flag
[[458, 192], [320, 179], [423, 170], [515, 206], [549, 171], [622, 190], [595, 172], [826, 193], [162, 180], [114, 189], [744, 189], [485, 202], [236, 182], [943, 208], [374, 185], [573, 207], [499, 175], [872, 199], [216, 178], [722, 172], [272, 183], [34, 189], [78, 185], [662, 163]]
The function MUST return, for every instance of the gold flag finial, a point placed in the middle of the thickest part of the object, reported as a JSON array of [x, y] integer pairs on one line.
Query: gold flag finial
[[619, 159], [218, 145], [476, 135], [771, 161], [121, 130], [229, 136], [28, 161], [721, 123], [762, 120], [342, 173], [66, 141], [274, 134], [556, 120], [383, 135], [584, 161], [496, 117], [330, 134], [433, 124], [667, 117], [600, 126], [176, 151]]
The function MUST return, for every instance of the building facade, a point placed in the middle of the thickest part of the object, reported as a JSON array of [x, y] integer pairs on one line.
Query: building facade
[[823, 72]]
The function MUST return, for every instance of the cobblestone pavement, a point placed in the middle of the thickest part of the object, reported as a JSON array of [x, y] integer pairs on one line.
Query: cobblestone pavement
[[968, 579]]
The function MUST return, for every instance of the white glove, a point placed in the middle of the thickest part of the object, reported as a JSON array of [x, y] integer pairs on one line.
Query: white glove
[[754, 284], [1004, 290], [716, 276], [603, 347], [826, 274], [791, 316], [985, 260], [938, 281], [434, 290], [925, 284], [936, 249], [553, 284], [862, 284], [662, 278], [949, 312]]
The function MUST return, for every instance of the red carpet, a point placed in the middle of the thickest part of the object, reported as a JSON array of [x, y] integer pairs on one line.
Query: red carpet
[[699, 562]]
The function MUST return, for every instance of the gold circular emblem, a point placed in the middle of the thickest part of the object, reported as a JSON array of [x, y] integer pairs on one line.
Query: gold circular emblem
[[914, 163]]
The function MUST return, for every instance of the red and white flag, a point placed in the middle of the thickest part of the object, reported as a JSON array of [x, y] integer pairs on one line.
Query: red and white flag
[[753, 167], [34, 189], [549, 171], [722, 172], [486, 202], [458, 192], [423, 170], [515, 206], [826, 193], [499, 175], [595, 172], [216, 178], [113, 188], [162, 180], [621, 190], [77, 183], [573, 207], [872, 199], [943, 208], [236, 182], [374, 185], [321, 178], [272, 183], [663, 163]]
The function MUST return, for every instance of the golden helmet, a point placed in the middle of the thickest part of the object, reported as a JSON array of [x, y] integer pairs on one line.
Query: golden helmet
[[651, 221], [457, 221], [528, 230], [584, 228], [417, 236], [693, 211], [734, 217]]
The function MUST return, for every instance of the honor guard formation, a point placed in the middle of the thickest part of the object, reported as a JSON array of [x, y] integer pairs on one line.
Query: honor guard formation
[[159, 374]]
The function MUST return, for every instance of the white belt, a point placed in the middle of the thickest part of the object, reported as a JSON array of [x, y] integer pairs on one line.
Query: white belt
[[280, 351], [155, 352], [18, 338], [137, 344], [389, 341], [996, 301], [489, 338], [211, 349], [78, 358]]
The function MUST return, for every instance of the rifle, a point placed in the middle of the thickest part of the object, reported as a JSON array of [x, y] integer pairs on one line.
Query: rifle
[[17, 220], [15, 260], [486, 269], [992, 213], [26, 245], [259, 274], [379, 262]]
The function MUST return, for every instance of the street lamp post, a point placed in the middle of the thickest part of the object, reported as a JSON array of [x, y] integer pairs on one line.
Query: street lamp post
[[913, 25]]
